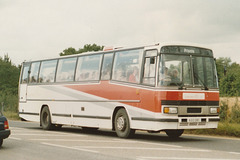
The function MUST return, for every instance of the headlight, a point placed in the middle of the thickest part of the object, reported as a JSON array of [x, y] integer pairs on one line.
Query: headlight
[[214, 110], [170, 110]]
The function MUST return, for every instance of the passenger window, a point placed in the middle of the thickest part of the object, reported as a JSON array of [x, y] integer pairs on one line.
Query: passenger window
[[127, 65], [88, 68], [66, 69], [47, 71], [107, 66], [34, 72], [25, 73]]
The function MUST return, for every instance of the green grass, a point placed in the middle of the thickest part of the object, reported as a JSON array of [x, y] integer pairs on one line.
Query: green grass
[[224, 129], [11, 115]]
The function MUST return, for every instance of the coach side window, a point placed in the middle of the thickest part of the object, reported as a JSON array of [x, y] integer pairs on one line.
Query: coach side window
[[107, 66], [25, 73], [47, 71], [127, 66], [88, 68], [34, 72], [66, 69]]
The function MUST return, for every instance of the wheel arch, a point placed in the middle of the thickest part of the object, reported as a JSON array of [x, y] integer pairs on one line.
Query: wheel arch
[[115, 112]]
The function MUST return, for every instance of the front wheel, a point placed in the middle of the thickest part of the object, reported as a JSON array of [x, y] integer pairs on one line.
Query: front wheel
[[46, 119], [122, 125], [174, 133]]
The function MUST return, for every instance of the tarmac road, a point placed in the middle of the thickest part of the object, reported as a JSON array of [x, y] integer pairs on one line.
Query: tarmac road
[[29, 142]]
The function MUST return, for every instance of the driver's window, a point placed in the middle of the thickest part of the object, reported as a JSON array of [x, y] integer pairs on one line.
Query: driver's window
[[171, 73]]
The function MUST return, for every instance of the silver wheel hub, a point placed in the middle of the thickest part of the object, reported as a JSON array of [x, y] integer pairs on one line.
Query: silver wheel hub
[[121, 123]]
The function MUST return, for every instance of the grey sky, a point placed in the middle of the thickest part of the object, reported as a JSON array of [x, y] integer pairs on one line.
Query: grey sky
[[37, 29]]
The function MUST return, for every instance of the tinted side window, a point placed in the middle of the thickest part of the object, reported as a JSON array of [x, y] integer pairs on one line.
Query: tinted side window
[[107, 66], [25, 74], [47, 71], [88, 68], [66, 69], [127, 65], [34, 72]]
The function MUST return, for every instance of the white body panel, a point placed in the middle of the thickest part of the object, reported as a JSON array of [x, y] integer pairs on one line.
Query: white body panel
[[71, 107]]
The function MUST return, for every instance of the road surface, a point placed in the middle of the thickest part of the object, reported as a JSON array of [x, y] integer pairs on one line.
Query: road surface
[[29, 142]]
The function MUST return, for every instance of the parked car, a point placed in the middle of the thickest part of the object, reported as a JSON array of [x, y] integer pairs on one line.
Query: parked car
[[4, 128]]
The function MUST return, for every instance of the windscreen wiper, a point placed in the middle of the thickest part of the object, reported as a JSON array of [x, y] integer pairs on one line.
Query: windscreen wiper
[[197, 77], [180, 84]]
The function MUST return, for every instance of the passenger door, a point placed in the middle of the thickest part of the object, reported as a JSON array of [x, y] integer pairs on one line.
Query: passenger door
[[149, 79], [149, 71]]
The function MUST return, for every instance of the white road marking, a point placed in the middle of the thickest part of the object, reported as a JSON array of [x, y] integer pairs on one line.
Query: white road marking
[[61, 146], [144, 148], [150, 143], [15, 138], [234, 152], [178, 158], [34, 134], [160, 144], [29, 132], [78, 140]]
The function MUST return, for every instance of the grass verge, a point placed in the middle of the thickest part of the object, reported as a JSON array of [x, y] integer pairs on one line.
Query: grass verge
[[11, 115], [224, 129]]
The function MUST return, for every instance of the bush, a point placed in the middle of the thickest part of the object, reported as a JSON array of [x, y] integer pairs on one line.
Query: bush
[[235, 114], [224, 112], [9, 102]]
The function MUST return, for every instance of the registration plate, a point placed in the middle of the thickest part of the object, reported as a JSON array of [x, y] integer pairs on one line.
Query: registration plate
[[194, 120]]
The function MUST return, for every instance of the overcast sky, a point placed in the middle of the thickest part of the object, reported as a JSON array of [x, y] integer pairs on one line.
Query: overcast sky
[[37, 29]]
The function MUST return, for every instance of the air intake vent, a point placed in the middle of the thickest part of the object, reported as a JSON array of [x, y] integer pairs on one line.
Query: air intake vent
[[194, 110]]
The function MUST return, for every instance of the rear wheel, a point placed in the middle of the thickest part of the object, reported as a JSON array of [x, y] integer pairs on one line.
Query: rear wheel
[[122, 125], [46, 119], [1, 142], [174, 133]]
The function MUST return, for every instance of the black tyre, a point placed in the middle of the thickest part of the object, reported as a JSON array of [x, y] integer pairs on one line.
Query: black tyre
[[122, 125], [46, 119], [1, 142], [174, 133]]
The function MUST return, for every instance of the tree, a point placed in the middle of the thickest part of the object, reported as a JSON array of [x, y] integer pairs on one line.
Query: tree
[[86, 48], [229, 77], [222, 64], [68, 51], [9, 75]]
